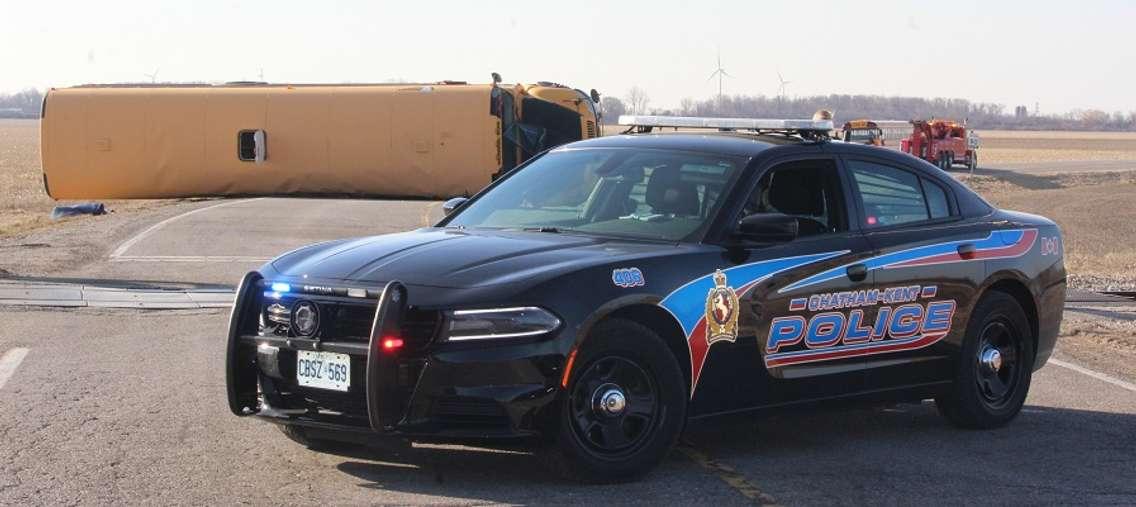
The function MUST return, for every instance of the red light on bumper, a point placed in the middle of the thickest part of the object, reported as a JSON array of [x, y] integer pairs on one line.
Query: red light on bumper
[[392, 343]]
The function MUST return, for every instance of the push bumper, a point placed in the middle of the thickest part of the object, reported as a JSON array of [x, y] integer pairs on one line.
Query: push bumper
[[436, 394]]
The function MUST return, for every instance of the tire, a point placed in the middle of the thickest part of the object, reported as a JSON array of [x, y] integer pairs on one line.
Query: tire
[[621, 360], [984, 396]]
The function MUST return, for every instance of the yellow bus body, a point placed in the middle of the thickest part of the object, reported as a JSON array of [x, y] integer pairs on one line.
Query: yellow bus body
[[143, 142]]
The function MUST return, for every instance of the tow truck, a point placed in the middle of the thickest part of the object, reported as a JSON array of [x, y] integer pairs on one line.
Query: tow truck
[[943, 143]]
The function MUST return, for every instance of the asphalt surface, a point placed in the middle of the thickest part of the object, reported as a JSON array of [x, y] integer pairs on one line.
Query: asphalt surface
[[127, 406]]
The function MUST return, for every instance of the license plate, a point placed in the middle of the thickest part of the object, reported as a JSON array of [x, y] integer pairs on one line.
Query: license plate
[[323, 370]]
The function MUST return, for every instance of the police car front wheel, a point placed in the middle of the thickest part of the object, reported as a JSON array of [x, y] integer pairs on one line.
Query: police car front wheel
[[994, 371], [623, 408]]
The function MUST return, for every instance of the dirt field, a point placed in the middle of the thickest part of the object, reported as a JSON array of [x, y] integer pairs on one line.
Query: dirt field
[[23, 203], [1009, 146]]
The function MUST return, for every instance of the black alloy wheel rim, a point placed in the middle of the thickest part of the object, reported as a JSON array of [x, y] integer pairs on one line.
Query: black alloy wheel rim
[[613, 407], [998, 385]]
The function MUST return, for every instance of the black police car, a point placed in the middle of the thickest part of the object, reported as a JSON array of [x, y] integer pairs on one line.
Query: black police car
[[609, 290]]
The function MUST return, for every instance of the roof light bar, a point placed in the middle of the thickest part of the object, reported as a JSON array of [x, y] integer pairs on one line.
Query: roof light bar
[[724, 123]]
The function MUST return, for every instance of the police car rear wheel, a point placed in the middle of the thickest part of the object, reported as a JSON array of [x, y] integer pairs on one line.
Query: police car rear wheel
[[624, 407], [996, 366]]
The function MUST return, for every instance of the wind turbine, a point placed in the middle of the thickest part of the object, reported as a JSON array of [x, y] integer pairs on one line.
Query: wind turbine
[[781, 87], [153, 77], [720, 73]]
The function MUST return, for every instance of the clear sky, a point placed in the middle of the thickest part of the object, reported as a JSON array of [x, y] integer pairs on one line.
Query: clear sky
[[1064, 55]]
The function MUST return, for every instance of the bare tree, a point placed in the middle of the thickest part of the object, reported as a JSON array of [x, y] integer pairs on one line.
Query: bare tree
[[22, 104], [611, 108], [637, 100], [688, 107]]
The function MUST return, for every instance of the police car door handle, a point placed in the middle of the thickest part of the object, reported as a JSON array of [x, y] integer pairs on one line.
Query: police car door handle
[[857, 272], [966, 250]]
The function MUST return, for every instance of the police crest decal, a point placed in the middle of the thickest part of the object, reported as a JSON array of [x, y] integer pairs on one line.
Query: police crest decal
[[721, 311]]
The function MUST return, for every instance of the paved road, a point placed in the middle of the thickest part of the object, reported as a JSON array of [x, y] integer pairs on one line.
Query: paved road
[[128, 407], [121, 406]]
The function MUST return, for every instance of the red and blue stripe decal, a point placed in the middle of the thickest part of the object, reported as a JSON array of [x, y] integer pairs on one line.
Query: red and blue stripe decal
[[864, 349], [996, 245], [688, 303]]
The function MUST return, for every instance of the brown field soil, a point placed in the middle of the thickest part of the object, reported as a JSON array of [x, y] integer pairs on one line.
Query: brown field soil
[[1012, 146], [24, 205]]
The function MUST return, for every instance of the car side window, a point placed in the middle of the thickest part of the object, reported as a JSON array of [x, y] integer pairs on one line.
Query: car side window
[[937, 204], [808, 190], [893, 196]]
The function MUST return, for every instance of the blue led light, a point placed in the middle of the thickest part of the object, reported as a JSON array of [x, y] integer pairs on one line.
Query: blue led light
[[281, 287]]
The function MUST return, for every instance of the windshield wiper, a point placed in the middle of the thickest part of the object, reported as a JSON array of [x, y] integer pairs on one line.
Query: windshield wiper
[[555, 230]]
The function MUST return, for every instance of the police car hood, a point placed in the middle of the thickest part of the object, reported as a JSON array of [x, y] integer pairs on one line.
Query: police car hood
[[458, 258]]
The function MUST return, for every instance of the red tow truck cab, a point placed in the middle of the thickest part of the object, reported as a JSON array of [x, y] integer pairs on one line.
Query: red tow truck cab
[[943, 143]]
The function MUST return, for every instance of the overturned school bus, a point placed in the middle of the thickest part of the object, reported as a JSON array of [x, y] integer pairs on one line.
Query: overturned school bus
[[420, 140]]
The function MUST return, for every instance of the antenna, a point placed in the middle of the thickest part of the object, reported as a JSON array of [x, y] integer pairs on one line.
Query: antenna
[[720, 73], [153, 77]]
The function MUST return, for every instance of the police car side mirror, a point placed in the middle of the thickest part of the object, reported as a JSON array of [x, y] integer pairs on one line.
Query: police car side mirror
[[767, 227], [452, 204]]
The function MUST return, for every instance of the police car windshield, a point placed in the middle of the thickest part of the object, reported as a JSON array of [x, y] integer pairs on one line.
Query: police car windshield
[[635, 193]]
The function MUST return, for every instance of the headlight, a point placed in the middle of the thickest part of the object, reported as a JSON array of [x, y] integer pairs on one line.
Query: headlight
[[305, 319], [496, 323]]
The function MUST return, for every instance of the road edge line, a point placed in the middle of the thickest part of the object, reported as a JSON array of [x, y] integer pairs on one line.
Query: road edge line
[[125, 245], [1128, 386]]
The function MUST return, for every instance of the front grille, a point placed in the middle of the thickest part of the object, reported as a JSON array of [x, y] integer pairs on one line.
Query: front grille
[[348, 321], [343, 319]]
